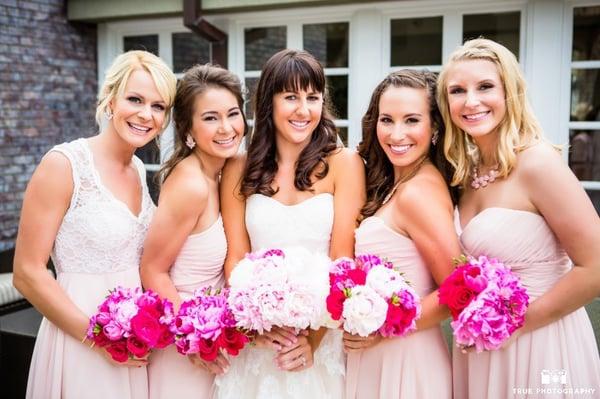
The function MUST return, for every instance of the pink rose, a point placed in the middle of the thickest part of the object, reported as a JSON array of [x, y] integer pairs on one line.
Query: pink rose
[[166, 337], [335, 303], [146, 327]]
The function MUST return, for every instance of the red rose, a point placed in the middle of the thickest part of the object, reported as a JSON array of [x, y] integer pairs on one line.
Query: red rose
[[146, 328], [166, 337], [208, 349], [137, 347], [358, 276], [335, 303], [232, 341], [118, 351], [100, 339], [454, 293]]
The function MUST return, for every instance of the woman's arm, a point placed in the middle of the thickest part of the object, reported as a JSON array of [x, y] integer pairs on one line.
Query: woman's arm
[[45, 203], [349, 198], [561, 200], [183, 199], [233, 212]]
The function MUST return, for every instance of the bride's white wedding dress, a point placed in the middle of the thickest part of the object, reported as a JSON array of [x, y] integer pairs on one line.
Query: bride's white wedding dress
[[253, 374]]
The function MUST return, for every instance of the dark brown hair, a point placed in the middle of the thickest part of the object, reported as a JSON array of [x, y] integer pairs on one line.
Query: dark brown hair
[[287, 70], [379, 169], [195, 82]]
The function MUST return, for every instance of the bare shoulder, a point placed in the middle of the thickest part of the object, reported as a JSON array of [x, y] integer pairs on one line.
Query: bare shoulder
[[186, 182], [234, 167], [538, 160], [423, 192], [52, 170], [342, 157]]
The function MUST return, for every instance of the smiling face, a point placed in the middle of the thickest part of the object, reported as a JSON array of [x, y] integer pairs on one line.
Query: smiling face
[[218, 124], [296, 114], [404, 126], [476, 97], [139, 113]]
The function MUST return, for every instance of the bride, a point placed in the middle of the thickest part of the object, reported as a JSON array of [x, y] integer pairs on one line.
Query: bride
[[295, 186]]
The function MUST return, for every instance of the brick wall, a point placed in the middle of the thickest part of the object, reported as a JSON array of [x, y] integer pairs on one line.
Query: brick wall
[[48, 85]]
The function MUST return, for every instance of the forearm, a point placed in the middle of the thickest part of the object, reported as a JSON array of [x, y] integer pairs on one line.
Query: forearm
[[46, 295], [575, 289], [161, 283], [432, 313]]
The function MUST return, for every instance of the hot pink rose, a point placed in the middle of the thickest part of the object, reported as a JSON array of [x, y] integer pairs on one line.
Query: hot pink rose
[[166, 337], [146, 327], [335, 303], [208, 349], [232, 340]]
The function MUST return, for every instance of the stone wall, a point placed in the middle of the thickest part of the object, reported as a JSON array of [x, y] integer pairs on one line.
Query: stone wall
[[48, 84]]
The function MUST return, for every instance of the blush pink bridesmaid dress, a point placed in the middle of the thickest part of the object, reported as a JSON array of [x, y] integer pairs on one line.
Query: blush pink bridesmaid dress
[[198, 265], [415, 366], [558, 360]]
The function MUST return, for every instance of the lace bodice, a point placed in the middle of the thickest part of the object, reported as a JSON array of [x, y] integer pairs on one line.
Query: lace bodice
[[98, 234], [271, 224]]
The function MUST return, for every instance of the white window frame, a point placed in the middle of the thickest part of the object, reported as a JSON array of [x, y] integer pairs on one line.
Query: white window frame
[[568, 66]]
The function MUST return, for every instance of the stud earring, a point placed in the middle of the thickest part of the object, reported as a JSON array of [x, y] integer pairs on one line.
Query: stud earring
[[189, 141]]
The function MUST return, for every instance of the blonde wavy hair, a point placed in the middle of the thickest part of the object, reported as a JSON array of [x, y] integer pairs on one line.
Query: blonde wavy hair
[[119, 72], [518, 129]]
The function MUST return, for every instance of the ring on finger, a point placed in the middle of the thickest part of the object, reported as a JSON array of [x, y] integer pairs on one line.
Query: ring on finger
[[303, 360]]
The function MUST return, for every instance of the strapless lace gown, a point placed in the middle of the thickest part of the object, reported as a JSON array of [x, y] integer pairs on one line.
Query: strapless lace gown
[[547, 362], [253, 374], [199, 264], [97, 247], [416, 366]]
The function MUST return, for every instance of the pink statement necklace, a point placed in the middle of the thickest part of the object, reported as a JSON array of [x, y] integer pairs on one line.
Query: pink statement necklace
[[484, 180]]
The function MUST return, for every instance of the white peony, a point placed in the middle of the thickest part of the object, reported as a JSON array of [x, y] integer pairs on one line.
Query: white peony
[[364, 311], [385, 281]]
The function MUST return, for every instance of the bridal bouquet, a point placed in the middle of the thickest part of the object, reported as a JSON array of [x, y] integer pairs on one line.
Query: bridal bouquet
[[130, 323], [279, 287], [487, 302], [205, 325], [369, 295]]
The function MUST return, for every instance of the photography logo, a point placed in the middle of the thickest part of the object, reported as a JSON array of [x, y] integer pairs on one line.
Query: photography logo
[[554, 377]]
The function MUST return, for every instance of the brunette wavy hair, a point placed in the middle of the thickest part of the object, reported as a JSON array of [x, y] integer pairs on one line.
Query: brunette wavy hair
[[379, 169], [195, 82], [287, 70]]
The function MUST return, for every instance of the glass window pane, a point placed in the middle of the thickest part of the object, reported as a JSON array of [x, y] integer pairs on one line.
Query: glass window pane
[[149, 154], [585, 95], [584, 153], [189, 49], [343, 135], [261, 43], [250, 90], [338, 94], [416, 41], [328, 43], [146, 42], [586, 33], [503, 28], [595, 197]]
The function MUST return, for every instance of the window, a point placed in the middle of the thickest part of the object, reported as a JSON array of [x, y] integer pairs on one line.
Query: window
[[584, 118], [416, 42], [500, 27]]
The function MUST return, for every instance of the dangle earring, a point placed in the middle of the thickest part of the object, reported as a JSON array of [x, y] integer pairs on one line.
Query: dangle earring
[[108, 113], [189, 141], [435, 137]]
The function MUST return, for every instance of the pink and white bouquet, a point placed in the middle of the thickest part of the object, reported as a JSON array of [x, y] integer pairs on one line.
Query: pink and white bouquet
[[205, 325], [280, 287], [130, 323], [487, 302], [369, 295]]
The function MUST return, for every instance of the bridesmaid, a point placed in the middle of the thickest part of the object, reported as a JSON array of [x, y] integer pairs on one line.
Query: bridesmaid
[[294, 187], [87, 206], [408, 220], [520, 203], [185, 247]]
